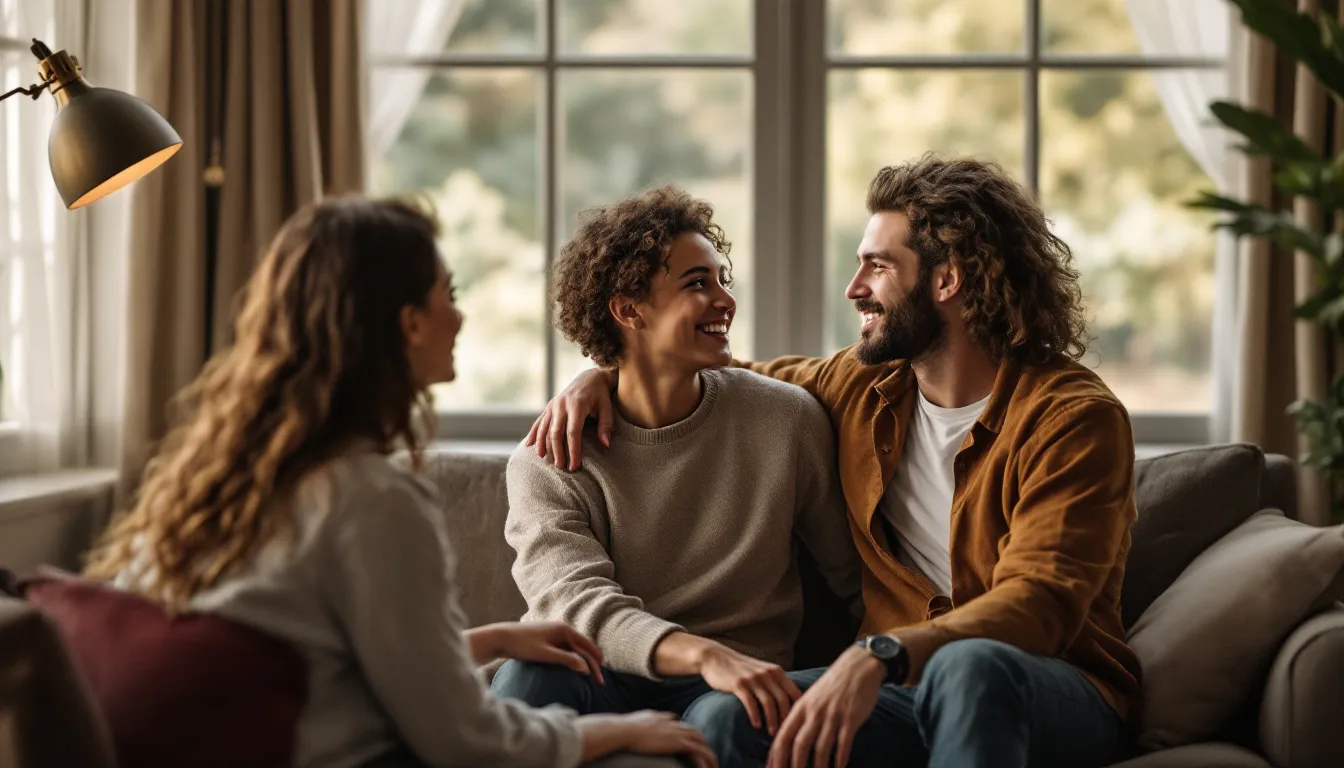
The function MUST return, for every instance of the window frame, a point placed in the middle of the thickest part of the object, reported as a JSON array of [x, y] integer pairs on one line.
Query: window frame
[[790, 63]]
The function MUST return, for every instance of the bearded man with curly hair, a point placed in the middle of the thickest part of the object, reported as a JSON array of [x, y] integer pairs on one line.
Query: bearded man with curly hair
[[989, 479], [673, 548]]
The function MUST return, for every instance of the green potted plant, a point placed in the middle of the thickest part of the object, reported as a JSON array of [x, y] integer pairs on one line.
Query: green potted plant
[[1317, 42]]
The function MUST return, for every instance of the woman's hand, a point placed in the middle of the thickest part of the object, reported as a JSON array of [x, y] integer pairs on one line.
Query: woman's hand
[[544, 642], [559, 429], [762, 687], [645, 733]]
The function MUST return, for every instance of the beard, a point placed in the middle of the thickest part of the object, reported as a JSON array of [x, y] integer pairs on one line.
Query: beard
[[909, 332]]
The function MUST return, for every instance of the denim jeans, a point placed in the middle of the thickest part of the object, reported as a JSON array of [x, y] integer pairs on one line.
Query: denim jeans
[[979, 703], [543, 684]]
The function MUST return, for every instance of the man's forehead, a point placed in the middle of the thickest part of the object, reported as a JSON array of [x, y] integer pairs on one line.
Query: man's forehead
[[886, 231]]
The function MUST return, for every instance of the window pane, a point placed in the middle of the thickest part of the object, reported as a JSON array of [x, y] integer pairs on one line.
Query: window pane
[[623, 131], [1113, 177], [496, 26], [879, 117], [1087, 26], [881, 27], [655, 26], [472, 144]]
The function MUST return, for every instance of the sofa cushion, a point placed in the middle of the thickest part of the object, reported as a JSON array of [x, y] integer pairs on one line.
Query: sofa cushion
[[475, 508], [1207, 643], [1207, 755], [47, 715], [1186, 501], [191, 689]]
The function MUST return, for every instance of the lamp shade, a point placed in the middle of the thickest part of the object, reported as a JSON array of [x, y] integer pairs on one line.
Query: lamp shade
[[102, 140]]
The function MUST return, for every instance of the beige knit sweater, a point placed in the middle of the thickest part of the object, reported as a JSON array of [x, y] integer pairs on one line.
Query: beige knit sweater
[[692, 526]]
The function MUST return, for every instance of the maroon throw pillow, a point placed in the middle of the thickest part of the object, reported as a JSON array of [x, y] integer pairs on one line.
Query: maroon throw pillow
[[194, 689]]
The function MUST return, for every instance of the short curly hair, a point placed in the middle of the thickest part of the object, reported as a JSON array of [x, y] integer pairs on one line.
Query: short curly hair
[[616, 251], [1022, 296]]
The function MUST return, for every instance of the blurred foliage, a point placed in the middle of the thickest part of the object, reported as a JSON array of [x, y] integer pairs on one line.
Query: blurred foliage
[[1112, 174], [1315, 40]]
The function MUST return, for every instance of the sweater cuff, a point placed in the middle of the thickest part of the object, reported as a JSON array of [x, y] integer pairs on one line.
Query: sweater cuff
[[627, 640], [568, 740]]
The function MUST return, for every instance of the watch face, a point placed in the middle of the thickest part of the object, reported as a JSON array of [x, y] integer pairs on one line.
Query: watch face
[[884, 646]]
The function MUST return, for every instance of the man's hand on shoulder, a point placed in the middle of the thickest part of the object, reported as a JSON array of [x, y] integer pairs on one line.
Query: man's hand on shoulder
[[558, 431]]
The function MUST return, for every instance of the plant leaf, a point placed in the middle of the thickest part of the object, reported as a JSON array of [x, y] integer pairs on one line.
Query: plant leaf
[[1299, 36], [1267, 135]]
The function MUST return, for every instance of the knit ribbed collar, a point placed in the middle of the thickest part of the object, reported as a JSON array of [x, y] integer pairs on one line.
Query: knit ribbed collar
[[709, 380]]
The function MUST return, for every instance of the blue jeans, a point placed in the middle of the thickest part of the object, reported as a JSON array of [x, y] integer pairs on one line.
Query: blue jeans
[[980, 703], [541, 684]]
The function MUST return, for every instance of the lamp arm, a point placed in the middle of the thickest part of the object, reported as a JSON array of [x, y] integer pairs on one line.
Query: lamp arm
[[42, 52], [35, 90]]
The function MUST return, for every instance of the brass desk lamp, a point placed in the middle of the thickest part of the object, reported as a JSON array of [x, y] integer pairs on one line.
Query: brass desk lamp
[[101, 139]]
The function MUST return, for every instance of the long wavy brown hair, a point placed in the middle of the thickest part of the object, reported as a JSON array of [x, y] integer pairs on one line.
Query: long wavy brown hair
[[1021, 294], [319, 362]]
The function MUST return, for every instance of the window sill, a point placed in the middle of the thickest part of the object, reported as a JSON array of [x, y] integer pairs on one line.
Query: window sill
[[22, 495]]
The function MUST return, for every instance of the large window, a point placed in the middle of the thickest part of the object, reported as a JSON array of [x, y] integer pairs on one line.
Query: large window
[[780, 112]]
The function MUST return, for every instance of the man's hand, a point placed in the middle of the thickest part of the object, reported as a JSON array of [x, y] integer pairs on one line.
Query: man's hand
[[542, 642], [560, 425], [824, 721]]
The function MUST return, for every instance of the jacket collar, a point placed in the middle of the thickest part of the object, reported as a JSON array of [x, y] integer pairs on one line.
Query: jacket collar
[[900, 381]]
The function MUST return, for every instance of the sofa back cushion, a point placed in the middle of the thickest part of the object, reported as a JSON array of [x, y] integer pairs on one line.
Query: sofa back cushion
[[1186, 501], [191, 689], [475, 508]]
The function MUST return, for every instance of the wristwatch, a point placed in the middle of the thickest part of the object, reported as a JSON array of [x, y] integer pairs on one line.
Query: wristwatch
[[891, 653]]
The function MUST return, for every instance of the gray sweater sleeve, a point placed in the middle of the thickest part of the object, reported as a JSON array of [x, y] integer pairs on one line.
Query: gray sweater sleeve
[[391, 587], [566, 574], [823, 519]]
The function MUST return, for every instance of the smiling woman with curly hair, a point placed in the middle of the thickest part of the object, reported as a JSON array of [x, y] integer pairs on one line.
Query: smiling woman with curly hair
[[617, 251], [674, 547]]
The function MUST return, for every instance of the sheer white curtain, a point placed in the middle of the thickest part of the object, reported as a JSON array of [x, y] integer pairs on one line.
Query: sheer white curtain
[[44, 285], [401, 28], [1199, 28]]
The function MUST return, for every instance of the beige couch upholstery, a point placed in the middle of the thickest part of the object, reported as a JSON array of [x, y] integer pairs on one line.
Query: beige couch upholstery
[[1186, 502], [1294, 720]]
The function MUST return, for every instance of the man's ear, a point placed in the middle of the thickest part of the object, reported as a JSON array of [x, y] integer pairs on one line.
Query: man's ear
[[626, 314], [947, 280]]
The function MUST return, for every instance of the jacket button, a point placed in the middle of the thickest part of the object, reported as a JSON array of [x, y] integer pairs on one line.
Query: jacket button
[[885, 448]]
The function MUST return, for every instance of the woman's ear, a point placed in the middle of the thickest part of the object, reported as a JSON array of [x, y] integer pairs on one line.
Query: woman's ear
[[411, 326], [626, 314]]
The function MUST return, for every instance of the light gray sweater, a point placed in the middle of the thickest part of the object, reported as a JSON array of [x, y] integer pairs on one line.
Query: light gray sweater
[[366, 593], [692, 526]]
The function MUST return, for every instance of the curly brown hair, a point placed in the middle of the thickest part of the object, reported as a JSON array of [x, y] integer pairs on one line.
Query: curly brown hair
[[1021, 291], [319, 361], [616, 251]]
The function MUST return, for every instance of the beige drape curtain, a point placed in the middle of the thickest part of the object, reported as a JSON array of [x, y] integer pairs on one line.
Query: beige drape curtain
[[271, 92], [1280, 360]]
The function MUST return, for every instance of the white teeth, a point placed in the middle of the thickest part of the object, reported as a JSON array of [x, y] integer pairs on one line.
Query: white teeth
[[715, 327]]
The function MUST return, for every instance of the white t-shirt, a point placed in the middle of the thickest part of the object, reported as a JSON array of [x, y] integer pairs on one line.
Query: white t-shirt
[[918, 503]]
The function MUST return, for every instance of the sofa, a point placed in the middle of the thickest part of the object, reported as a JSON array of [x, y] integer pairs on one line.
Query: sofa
[[1293, 712], [1279, 703]]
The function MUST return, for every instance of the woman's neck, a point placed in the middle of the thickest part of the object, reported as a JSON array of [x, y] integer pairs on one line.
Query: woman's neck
[[654, 399]]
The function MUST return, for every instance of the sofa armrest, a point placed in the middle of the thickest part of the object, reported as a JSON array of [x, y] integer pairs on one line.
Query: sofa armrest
[[1302, 713]]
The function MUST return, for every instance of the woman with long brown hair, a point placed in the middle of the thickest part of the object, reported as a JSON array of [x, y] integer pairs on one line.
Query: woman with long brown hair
[[275, 503]]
